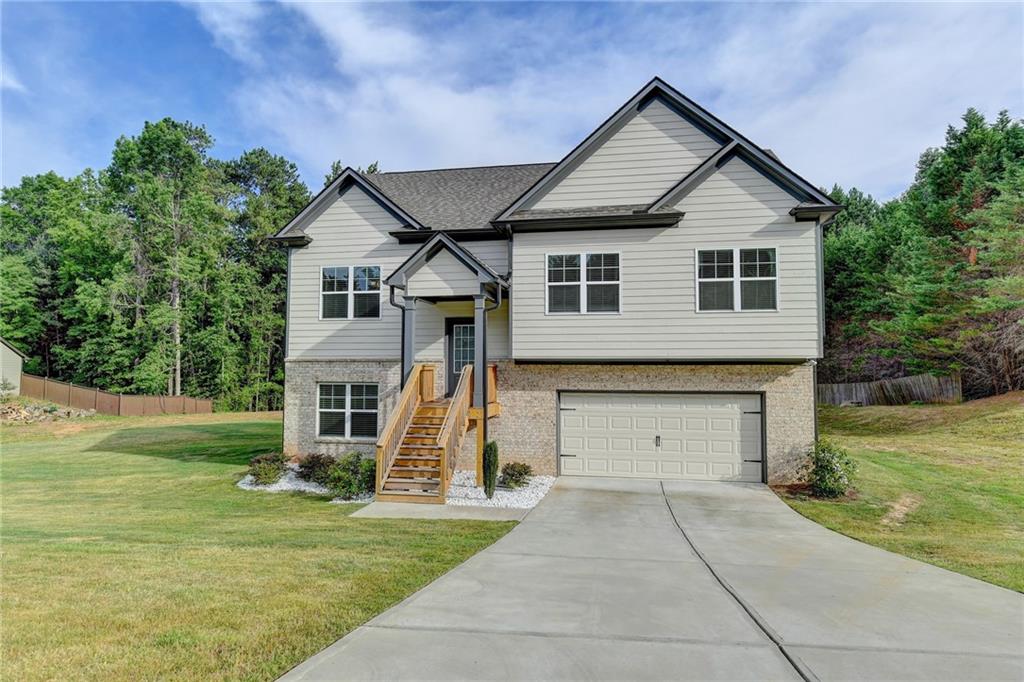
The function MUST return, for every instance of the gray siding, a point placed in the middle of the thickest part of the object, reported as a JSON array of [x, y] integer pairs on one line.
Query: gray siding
[[443, 275], [735, 207], [10, 368], [354, 231], [641, 160]]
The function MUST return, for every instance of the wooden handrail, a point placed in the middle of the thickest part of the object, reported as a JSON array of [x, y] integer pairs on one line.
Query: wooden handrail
[[398, 423], [456, 421]]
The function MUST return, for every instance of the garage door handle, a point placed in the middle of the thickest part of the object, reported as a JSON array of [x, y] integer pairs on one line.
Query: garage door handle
[[657, 441], [567, 409]]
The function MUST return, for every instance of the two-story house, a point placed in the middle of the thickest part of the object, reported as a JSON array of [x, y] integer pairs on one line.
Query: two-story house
[[649, 306]]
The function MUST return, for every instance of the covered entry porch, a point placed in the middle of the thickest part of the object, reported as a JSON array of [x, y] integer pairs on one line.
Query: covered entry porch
[[418, 446]]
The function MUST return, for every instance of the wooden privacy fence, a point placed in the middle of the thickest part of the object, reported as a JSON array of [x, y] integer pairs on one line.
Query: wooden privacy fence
[[110, 403], [922, 388]]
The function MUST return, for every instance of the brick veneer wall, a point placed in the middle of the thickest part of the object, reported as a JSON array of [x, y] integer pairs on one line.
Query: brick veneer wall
[[300, 399], [526, 430]]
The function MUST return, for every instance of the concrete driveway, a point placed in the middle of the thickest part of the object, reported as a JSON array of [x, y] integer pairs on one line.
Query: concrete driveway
[[601, 582]]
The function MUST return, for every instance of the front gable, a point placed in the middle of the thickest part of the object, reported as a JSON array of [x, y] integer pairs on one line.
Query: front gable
[[644, 155], [658, 144]]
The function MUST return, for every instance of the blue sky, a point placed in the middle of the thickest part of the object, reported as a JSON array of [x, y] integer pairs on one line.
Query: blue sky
[[843, 92]]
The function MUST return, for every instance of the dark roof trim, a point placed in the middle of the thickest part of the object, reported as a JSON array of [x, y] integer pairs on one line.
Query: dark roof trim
[[470, 235], [328, 194], [709, 165], [439, 242], [604, 222], [658, 88], [809, 211], [770, 160], [7, 343]]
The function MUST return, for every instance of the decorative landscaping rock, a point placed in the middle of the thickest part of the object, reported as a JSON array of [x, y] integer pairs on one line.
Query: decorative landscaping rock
[[462, 492], [291, 483], [27, 412]]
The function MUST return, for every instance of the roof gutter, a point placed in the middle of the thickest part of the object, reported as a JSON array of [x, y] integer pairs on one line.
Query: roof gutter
[[604, 222]]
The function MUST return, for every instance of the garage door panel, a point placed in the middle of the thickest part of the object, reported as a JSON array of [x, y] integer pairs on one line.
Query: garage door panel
[[702, 436]]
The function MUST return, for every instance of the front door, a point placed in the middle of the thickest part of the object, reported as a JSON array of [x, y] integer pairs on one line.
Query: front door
[[460, 341]]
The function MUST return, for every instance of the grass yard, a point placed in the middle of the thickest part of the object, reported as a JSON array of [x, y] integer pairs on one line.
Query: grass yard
[[943, 484], [128, 553]]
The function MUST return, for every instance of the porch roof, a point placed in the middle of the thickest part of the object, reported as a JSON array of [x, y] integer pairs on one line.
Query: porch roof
[[435, 245]]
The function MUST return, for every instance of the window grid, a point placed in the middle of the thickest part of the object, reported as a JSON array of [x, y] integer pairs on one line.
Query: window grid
[[583, 283], [749, 287], [347, 410], [350, 292]]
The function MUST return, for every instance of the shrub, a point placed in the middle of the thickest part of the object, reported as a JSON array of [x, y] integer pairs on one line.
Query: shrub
[[490, 468], [368, 475], [515, 474], [352, 475], [316, 468], [829, 470], [266, 469]]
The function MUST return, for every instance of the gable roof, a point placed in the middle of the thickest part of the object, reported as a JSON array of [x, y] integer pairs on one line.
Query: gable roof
[[458, 198], [767, 163], [8, 344], [293, 232], [436, 244]]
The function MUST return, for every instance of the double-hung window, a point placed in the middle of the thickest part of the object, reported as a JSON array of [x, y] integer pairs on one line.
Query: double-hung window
[[583, 283], [737, 279], [347, 410], [349, 292]]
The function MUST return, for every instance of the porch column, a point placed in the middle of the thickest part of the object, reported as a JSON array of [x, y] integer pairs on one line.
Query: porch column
[[480, 352], [408, 337]]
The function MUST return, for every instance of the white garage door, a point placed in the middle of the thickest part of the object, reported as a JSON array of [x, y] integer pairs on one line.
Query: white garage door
[[705, 436]]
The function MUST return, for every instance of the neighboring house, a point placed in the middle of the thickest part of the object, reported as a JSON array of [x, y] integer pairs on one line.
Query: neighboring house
[[11, 360], [652, 304]]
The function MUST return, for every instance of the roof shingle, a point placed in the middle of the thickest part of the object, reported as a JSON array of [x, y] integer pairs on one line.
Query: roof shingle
[[458, 198]]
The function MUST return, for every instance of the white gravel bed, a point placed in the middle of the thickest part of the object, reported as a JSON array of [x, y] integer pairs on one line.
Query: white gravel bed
[[462, 492], [291, 483]]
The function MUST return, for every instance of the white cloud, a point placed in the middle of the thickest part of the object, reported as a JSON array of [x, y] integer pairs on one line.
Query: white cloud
[[234, 27], [8, 77], [848, 93]]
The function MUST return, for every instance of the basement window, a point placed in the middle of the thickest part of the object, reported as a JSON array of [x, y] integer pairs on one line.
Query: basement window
[[347, 411]]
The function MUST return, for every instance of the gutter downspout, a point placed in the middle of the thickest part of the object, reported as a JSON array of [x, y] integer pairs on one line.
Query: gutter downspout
[[391, 300], [487, 361]]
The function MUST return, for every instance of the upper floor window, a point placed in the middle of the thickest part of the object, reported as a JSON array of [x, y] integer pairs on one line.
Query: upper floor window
[[721, 285], [583, 283], [349, 292]]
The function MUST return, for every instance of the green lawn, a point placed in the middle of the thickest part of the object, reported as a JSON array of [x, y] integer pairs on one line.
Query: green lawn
[[128, 553], [943, 484]]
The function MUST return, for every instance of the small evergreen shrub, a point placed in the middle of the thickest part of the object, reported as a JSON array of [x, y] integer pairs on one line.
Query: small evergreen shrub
[[830, 469], [368, 475], [490, 468], [352, 475], [316, 468], [266, 469], [515, 474]]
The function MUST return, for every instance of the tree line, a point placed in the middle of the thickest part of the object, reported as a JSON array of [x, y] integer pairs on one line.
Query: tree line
[[154, 275], [933, 281]]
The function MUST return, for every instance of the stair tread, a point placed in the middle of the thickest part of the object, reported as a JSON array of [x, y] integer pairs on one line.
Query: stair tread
[[413, 493], [406, 468]]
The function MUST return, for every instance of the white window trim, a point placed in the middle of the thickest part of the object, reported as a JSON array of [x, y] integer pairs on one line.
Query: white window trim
[[348, 413], [582, 283], [736, 279], [350, 293]]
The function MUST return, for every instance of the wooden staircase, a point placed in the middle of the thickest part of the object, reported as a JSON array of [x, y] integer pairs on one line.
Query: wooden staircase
[[415, 475], [417, 449]]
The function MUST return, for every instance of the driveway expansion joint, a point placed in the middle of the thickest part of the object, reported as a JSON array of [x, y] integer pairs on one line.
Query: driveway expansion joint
[[798, 665], [569, 635]]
